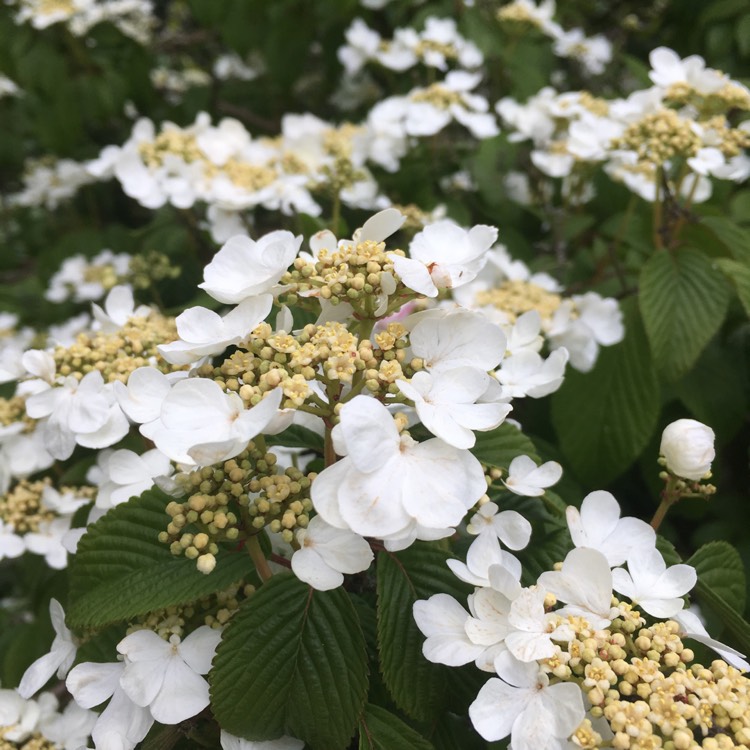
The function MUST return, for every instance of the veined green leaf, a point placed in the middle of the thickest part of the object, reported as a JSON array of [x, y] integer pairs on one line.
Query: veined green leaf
[[683, 300], [121, 569], [500, 446], [293, 660], [604, 418], [719, 567], [381, 730]]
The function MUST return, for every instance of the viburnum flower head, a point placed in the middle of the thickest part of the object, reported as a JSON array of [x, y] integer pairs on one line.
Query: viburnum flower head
[[444, 256], [527, 479], [688, 448], [245, 268], [390, 486]]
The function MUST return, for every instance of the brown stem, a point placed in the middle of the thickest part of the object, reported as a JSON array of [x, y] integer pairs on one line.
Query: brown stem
[[258, 558]]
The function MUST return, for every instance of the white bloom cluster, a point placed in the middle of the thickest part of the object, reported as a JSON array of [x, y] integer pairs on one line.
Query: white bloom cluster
[[8, 87], [134, 18], [438, 45], [541, 693], [593, 53], [49, 182], [87, 279], [681, 119]]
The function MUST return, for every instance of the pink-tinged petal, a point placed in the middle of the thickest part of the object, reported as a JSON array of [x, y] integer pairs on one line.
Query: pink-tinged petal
[[92, 683], [496, 708], [198, 649], [183, 694], [309, 567]]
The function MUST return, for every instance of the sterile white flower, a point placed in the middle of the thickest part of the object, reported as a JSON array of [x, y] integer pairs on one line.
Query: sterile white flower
[[200, 424], [442, 620], [446, 404], [598, 526], [166, 675], [692, 627], [142, 397], [125, 474], [203, 332], [326, 553], [688, 447], [122, 724], [527, 374], [484, 553], [653, 587], [119, 307], [444, 256], [245, 268], [509, 526], [387, 484], [59, 659], [537, 715], [585, 585], [230, 742], [526, 478]]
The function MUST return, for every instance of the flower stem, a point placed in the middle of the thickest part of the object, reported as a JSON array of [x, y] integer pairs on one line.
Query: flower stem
[[258, 558]]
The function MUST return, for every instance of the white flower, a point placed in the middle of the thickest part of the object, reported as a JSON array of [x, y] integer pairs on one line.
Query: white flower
[[125, 474], [11, 545], [48, 541], [388, 484], [166, 675], [484, 553], [527, 374], [203, 332], [200, 424], [585, 585], [445, 403], [598, 526], [122, 724], [653, 587], [59, 659], [326, 553], [456, 339], [510, 527], [119, 307], [142, 397], [83, 412], [20, 718], [688, 447], [442, 620], [526, 478], [69, 730], [537, 715], [245, 268], [444, 256]]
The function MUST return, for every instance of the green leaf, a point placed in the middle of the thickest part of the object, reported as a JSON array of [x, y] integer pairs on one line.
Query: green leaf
[[500, 446], [121, 570], [733, 237], [719, 567], [738, 274], [298, 437], [293, 660], [381, 730], [732, 621], [603, 419], [683, 299], [417, 686]]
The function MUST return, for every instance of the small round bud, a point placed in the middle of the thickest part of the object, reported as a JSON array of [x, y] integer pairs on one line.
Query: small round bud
[[206, 563], [688, 447]]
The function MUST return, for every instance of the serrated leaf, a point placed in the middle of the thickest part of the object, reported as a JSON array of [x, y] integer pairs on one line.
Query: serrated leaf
[[719, 567], [417, 686], [543, 551], [603, 419], [735, 238], [732, 621], [500, 446], [121, 570], [293, 660], [683, 300], [738, 275], [381, 730]]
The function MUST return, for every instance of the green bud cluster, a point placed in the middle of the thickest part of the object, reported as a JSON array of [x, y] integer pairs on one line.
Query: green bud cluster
[[154, 266]]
